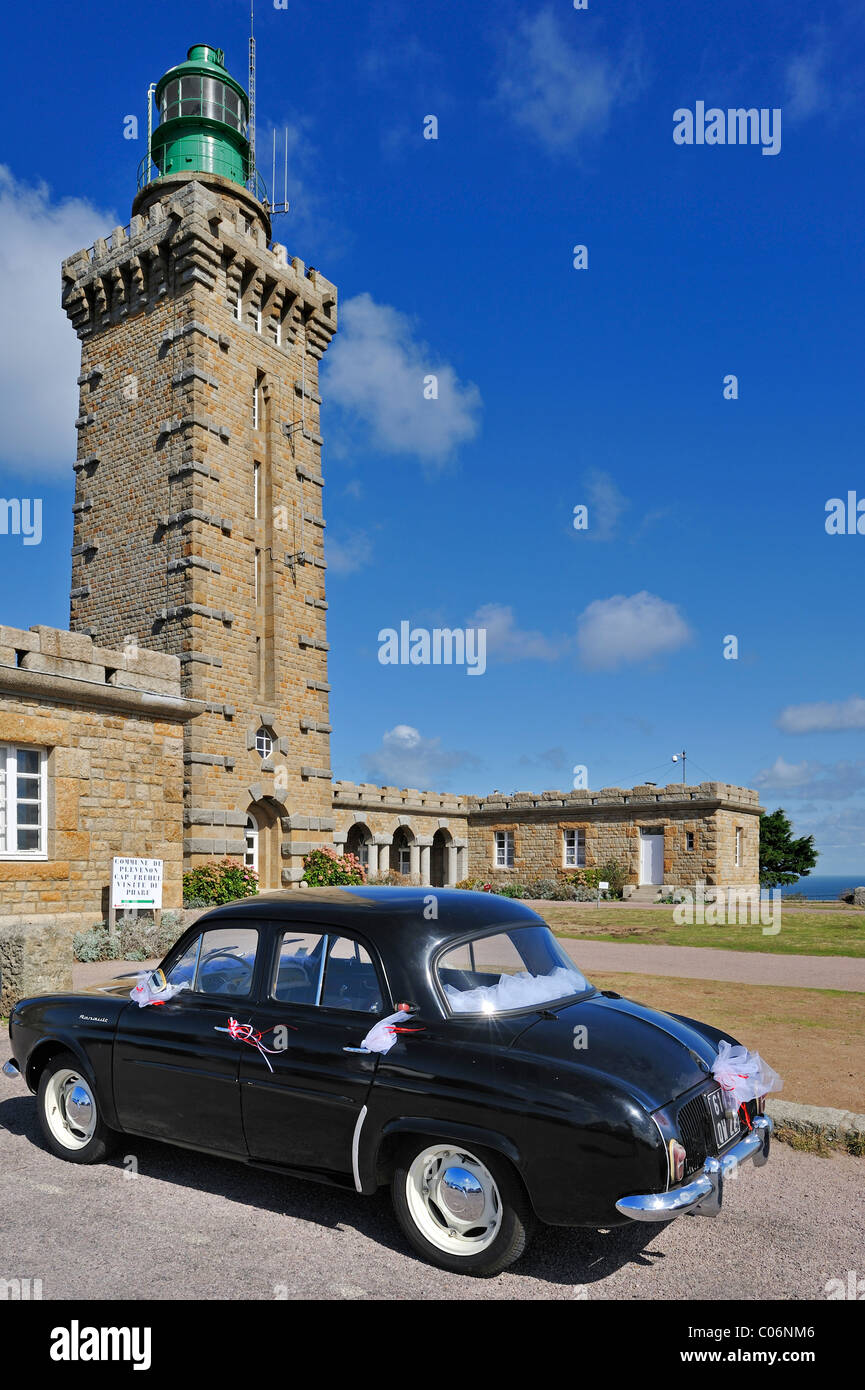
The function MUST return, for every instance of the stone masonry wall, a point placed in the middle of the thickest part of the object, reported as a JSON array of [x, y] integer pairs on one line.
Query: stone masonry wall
[[112, 725]]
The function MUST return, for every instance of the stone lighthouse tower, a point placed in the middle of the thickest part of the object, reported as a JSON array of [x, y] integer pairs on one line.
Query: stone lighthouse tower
[[198, 501]]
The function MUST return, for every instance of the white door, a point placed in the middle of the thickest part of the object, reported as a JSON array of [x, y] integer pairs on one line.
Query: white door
[[651, 857]]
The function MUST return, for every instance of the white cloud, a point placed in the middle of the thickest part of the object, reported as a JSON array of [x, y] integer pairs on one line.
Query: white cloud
[[824, 716], [621, 629], [506, 641], [351, 553], [783, 775], [406, 759], [556, 87], [606, 504], [820, 781], [806, 84], [375, 371], [40, 355]]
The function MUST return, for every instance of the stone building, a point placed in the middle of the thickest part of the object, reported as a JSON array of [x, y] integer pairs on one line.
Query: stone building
[[91, 766], [673, 835], [185, 714]]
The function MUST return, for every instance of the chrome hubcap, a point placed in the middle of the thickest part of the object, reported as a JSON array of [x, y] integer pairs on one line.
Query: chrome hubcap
[[462, 1194], [79, 1107], [70, 1109], [453, 1200]]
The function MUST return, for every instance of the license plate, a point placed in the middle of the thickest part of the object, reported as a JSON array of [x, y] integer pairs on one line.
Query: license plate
[[726, 1126]]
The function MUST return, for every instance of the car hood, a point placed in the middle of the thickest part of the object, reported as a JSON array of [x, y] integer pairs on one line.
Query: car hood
[[655, 1055]]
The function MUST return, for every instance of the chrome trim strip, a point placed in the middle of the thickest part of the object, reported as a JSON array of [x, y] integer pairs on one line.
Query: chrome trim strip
[[666, 1151], [704, 1195], [355, 1145], [11, 1068], [325, 948]]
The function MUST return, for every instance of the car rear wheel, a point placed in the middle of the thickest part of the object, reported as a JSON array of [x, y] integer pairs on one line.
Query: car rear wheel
[[69, 1112], [462, 1210]]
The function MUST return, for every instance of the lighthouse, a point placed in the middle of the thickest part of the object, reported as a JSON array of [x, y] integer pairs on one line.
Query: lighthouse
[[198, 520], [203, 121]]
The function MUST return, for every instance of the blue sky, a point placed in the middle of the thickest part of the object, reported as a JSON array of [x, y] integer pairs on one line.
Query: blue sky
[[557, 386]]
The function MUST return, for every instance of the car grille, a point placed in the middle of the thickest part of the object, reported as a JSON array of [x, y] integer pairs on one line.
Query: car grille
[[697, 1132], [695, 1128]]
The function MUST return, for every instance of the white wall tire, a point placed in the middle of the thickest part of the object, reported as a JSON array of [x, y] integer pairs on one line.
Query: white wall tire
[[69, 1112], [462, 1209]]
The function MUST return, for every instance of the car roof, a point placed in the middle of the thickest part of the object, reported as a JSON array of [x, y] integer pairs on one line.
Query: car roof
[[381, 913]]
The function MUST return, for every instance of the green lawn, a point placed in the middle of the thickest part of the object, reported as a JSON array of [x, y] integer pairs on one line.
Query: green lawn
[[804, 932]]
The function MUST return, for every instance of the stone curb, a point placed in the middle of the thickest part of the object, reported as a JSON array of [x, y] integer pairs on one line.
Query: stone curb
[[840, 1129]]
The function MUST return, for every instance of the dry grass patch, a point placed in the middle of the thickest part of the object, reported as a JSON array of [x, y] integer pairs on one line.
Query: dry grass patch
[[814, 1038]]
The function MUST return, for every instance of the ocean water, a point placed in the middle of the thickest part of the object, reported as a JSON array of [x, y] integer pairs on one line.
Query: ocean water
[[825, 885]]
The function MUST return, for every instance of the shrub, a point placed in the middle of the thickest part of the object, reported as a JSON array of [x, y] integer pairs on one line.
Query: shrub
[[135, 938], [211, 885], [94, 944], [614, 873], [393, 879], [324, 868], [512, 890], [541, 888]]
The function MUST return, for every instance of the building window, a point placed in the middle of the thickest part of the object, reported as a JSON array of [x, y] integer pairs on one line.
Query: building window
[[257, 402], [574, 849], [403, 860], [738, 846], [277, 331], [504, 849], [235, 304], [256, 489], [250, 851], [689, 840], [258, 320], [264, 742], [257, 579], [22, 802]]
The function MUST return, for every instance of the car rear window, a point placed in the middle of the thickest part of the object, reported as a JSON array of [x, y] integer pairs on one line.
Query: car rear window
[[504, 971]]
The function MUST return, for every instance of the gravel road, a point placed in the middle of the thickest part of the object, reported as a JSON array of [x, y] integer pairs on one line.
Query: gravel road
[[705, 963], [189, 1227]]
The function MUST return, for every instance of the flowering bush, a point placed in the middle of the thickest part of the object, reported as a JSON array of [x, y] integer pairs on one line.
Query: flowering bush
[[325, 868], [211, 885]]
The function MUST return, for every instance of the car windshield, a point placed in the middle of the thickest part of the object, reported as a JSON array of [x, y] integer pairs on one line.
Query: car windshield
[[517, 968]]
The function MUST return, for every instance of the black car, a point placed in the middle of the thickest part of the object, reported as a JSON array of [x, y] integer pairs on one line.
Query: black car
[[507, 1089]]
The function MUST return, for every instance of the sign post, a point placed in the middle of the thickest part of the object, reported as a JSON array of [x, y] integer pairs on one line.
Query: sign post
[[605, 887], [135, 884]]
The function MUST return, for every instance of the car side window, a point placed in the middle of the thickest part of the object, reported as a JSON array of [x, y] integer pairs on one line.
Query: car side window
[[183, 969], [298, 967], [350, 980], [327, 970], [226, 962]]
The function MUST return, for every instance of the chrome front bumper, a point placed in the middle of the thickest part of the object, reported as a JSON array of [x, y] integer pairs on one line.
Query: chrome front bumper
[[704, 1194]]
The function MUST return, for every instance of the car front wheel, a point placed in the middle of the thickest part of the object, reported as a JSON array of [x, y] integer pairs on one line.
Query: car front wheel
[[462, 1210], [69, 1112]]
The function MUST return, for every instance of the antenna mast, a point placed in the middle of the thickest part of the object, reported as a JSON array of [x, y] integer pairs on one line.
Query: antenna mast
[[252, 169]]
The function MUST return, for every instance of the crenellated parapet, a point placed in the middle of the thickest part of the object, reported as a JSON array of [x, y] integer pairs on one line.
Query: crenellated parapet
[[197, 233]]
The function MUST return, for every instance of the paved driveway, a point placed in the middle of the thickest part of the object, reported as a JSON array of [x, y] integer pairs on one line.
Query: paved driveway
[[192, 1227]]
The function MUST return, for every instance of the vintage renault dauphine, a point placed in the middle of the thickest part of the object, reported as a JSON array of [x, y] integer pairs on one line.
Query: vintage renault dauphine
[[436, 1040]]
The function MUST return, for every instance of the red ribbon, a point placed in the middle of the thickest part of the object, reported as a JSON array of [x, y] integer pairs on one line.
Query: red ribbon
[[245, 1033]]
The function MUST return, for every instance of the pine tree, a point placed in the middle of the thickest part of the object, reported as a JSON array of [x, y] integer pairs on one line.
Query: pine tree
[[783, 859]]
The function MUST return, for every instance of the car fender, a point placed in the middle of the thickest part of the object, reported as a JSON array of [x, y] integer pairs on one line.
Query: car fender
[[39, 1028], [379, 1144]]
